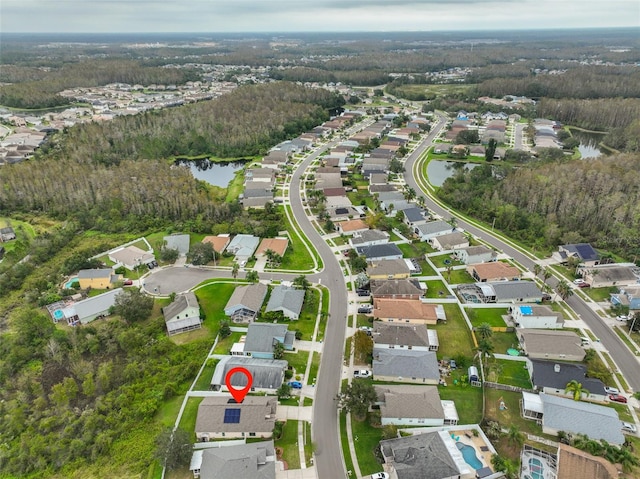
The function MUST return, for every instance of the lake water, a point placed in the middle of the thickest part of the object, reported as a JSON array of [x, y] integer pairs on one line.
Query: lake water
[[438, 170], [215, 173], [589, 143]]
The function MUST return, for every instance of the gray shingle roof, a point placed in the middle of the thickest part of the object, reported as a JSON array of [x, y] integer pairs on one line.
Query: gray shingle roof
[[286, 299], [246, 461], [178, 241], [413, 214], [541, 341], [422, 456], [95, 305], [507, 291], [257, 414], [266, 373], [545, 375], [388, 267], [395, 286], [368, 235], [380, 250], [433, 227], [95, 273], [405, 364], [597, 422], [400, 334], [261, 336], [419, 402], [248, 297], [182, 302]]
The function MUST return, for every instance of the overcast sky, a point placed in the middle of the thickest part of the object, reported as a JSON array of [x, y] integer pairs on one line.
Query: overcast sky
[[311, 15]]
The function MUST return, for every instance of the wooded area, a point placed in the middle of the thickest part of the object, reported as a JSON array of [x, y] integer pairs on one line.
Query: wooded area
[[551, 203]]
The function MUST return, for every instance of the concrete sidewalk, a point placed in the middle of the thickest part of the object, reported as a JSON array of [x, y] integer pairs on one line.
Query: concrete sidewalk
[[308, 473]]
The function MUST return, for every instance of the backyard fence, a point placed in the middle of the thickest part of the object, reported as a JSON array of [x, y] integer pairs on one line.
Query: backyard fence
[[507, 387]]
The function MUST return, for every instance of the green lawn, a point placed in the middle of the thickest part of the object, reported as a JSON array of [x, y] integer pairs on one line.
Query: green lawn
[[458, 276], [364, 320], [362, 197], [307, 321], [289, 444], [427, 269], [454, 336], [600, 294], [236, 186], [435, 287], [290, 401], [493, 316], [188, 420], [415, 250], [308, 444], [313, 370], [297, 256], [511, 415], [365, 440], [204, 381], [468, 401], [213, 298], [503, 341], [168, 411], [297, 361], [623, 411], [307, 402], [504, 371], [224, 345], [440, 261], [345, 443]]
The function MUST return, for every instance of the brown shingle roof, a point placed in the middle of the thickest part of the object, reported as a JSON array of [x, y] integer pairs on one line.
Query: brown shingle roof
[[497, 269], [277, 245], [410, 402], [257, 414], [353, 225], [576, 464], [219, 242], [403, 309]]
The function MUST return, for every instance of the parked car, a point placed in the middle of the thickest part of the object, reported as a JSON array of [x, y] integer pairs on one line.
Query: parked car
[[452, 364], [546, 297], [584, 285], [627, 426], [578, 281], [366, 329], [622, 317], [617, 398], [127, 282], [610, 390], [363, 292], [364, 309], [380, 475], [362, 374], [295, 384]]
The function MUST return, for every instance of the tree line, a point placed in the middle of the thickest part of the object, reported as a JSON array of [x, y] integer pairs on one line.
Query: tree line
[[550, 203]]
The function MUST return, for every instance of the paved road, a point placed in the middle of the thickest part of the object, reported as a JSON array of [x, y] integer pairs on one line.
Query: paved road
[[625, 360]]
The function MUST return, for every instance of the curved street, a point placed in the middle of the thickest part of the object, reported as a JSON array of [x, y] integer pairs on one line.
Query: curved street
[[624, 359]]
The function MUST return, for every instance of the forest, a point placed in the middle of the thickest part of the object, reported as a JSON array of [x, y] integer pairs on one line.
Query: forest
[[549, 203]]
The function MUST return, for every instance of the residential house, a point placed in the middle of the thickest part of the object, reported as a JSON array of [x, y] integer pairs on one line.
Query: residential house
[[389, 200], [413, 216], [243, 246], [427, 231], [98, 278], [576, 464], [221, 417], [552, 377], [404, 336], [493, 271], [431, 455], [245, 302], [557, 414], [368, 237], [442, 148], [450, 241], [219, 242], [396, 289], [406, 405], [557, 345], [527, 316], [606, 275], [474, 254], [373, 189], [183, 314], [286, 299], [378, 179], [262, 337], [411, 311], [352, 227], [501, 292], [628, 296], [275, 159], [178, 242], [267, 374], [343, 213], [265, 175], [401, 365], [584, 253], [7, 234], [388, 269], [379, 252], [255, 460], [277, 245], [477, 150], [130, 257], [328, 180], [88, 309], [256, 197]]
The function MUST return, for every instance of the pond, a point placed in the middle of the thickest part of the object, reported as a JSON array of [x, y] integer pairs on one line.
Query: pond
[[438, 170], [216, 173], [589, 142]]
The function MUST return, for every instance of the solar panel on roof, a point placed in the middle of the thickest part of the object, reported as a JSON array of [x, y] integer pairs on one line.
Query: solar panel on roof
[[231, 416], [341, 211]]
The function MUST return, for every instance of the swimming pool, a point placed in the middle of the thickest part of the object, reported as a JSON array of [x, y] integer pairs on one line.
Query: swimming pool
[[58, 314], [513, 352], [469, 454], [536, 469], [69, 284]]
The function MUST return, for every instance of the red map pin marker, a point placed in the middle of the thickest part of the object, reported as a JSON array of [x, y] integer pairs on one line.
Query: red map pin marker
[[238, 394]]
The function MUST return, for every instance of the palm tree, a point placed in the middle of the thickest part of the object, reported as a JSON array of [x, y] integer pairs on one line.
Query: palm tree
[[564, 289], [485, 348], [484, 331], [515, 437], [453, 221], [537, 269], [234, 270], [546, 274], [576, 389]]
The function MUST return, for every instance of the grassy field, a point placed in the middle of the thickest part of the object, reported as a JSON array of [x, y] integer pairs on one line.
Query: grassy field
[[289, 444], [204, 381], [224, 345], [313, 371], [307, 321], [458, 276], [235, 186], [468, 401], [366, 439], [297, 256], [297, 361], [440, 261], [504, 371], [493, 316], [188, 420], [213, 298], [510, 415], [415, 250], [503, 341], [427, 269], [308, 444], [600, 294], [434, 288], [454, 336]]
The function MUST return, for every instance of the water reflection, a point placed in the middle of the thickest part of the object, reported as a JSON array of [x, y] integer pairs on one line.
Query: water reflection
[[438, 170], [589, 143], [215, 173]]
